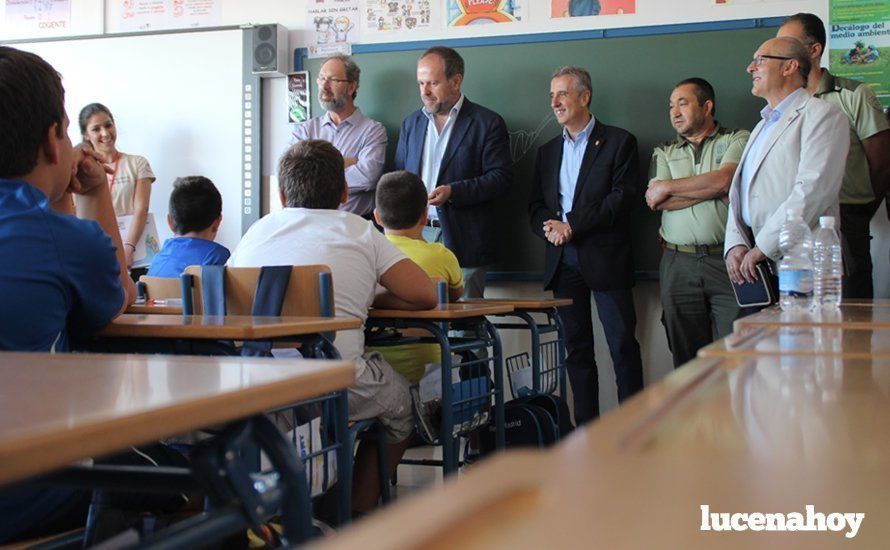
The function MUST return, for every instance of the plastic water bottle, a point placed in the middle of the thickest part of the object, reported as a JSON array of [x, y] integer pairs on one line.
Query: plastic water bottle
[[796, 267], [828, 265]]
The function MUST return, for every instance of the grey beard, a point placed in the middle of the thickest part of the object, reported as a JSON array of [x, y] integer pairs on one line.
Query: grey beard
[[440, 109], [333, 105]]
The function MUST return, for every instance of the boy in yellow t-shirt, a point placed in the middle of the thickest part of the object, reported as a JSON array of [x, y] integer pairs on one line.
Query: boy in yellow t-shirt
[[402, 211]]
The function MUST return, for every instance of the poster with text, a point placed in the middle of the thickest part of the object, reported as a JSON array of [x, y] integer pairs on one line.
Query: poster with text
[[402, 15], [298, 104], [333, 26], [859, 46], [581, 8], [460, 13], [38, 17], [147, 15]]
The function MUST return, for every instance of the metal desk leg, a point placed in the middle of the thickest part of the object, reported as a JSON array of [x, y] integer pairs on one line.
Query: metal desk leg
[[344, 459], [498, 367], [537, 359]]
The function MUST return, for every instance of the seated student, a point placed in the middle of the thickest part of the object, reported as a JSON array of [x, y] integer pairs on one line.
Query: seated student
[[402, 211], [311, 230], [194, 215], [61, 275]]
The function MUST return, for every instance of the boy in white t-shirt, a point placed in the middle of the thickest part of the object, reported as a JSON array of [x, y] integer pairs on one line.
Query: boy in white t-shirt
[[311, 230]]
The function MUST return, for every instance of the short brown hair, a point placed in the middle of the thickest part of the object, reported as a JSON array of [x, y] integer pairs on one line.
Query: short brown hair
[[311, 175], [454, 63], [401, 200], [31, 101]]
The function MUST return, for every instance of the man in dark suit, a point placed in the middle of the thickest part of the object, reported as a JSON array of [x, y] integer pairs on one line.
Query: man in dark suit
[[461, 152], [586, 183]]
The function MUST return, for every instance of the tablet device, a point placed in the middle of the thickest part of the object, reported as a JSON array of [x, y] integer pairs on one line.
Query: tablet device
[[760, 293]]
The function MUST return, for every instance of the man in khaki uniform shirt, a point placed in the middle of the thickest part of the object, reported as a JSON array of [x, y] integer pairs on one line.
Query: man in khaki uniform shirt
[[689, 181], [867, 174]]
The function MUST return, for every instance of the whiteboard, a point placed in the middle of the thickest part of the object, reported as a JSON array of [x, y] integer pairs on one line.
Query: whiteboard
[[176, 100]]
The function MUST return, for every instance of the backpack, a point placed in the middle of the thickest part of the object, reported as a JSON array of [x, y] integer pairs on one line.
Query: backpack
[[556, 406], [525, 425]]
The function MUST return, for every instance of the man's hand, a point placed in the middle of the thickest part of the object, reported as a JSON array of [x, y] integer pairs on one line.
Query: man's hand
[[87, 172], [440, 195], [349, 161], [557, 232], [656, 194], [734, 262], [749, 264]]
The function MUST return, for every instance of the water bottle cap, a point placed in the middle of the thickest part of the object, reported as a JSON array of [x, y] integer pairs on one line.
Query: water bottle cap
[[826, 221], [792, 213]]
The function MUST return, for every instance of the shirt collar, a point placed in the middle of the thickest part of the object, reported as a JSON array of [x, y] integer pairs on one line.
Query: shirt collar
[[352, 120], [454, 110], [682, 141], [771, 115], [583, 134], [827, 83]]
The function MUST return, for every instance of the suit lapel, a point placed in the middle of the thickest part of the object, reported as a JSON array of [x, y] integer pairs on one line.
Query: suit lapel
[[461, 125], [418, 137], [594, 144], [554, 161], [785, 121]]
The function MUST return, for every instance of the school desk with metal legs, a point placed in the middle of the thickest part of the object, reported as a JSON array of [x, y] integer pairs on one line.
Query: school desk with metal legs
[[857, 315], [853, 343], [547, 359], [59, 408], [436, 322]]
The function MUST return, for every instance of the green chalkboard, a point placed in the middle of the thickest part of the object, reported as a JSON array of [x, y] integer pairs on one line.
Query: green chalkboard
[[632, 80]]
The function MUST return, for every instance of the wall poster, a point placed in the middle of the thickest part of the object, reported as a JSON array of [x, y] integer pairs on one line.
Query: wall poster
[[859, 46], [581, 8]]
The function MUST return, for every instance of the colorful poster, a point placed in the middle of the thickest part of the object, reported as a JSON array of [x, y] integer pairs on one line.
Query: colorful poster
[[333, 26], [298, 104], [581, 8], [859, 47], [38, 17], [479, 12], [402, 15], [146, 15]]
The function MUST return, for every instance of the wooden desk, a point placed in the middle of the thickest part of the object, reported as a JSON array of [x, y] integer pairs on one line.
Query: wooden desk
[[849, 316], [154, 309], [447, 312], [55, 409], [522, 303], [765, 434], [229, 327], [858, 343]]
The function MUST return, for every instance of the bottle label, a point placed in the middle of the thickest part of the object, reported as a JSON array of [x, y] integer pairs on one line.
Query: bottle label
[[796, 282]]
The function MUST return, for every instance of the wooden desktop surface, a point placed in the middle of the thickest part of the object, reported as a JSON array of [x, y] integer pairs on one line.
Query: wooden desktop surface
[[448, 312], [849, 316], [153, 308], [229, 327], [55, 409], [765, 434], [862, 343], [522, 303]]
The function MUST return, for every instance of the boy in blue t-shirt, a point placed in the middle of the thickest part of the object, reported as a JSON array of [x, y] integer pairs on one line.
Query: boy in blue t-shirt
[[61, 274], [195, 213]]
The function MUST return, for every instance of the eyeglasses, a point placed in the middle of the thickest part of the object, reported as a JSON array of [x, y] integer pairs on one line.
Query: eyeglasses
[[758, 59], [330, 80]]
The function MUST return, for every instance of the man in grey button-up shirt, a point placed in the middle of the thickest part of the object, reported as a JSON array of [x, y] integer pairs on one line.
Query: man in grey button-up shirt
[[360, 140]]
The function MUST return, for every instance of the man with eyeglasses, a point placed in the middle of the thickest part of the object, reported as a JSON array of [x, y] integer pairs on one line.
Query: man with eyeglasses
[[794, 159], [867, 172], [361, 140], [461, 151], [689, 185], [586, 183]]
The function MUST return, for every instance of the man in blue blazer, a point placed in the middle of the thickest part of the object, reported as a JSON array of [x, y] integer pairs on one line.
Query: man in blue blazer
[[461, 151], [586, 183]]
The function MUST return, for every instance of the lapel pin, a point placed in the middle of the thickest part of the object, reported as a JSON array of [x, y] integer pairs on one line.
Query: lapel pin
[[596, 143]]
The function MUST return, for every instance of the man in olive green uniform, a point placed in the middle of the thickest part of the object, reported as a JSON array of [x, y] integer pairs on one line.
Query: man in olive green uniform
[[689, 181], [867, 174]]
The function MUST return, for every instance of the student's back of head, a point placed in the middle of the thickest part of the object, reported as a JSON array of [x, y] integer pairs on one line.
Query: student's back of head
[[311, 175], [195, 204], [31, 101], [401, 200]]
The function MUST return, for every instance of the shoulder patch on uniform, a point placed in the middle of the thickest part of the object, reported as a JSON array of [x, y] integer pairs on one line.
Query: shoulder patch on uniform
[[874, 102]]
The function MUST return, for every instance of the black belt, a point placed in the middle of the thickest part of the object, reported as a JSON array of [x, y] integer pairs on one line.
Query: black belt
[[701, 249]]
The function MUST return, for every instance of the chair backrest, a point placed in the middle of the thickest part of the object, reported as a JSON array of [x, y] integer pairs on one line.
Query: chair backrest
[[304, 295], [160, 288]]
